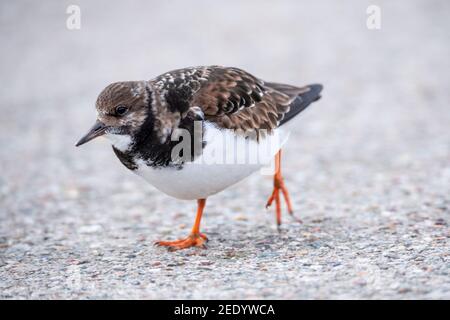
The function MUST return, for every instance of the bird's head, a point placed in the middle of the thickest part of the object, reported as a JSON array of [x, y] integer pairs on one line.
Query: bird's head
[[122, 109]]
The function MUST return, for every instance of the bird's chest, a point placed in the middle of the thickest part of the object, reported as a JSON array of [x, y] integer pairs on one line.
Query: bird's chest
[[225, 159]]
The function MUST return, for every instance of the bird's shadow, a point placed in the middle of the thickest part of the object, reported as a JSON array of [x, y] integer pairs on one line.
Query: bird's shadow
[[242, 239]]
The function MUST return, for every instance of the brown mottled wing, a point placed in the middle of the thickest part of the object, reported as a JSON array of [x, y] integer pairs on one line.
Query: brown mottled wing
[[234, 99]]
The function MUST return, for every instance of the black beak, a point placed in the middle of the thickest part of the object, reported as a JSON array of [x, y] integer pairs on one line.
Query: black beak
[[97, 130]]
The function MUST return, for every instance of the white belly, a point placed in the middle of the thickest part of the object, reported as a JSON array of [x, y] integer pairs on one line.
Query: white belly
[[195, 181], [225, 160]]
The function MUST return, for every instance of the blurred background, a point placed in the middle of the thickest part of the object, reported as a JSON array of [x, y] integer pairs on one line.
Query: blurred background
[[368, 165]]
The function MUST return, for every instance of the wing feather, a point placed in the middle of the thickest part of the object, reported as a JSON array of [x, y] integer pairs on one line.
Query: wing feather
[[234, 99]]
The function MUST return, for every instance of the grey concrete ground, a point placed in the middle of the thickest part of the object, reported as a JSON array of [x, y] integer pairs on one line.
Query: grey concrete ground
[[367, 166]]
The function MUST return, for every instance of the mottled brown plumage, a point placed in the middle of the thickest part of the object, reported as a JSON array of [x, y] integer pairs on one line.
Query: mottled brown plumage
[[234, 99], [229, 97]]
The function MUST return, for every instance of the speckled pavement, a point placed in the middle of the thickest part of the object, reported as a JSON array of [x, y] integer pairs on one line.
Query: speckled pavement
[[368, 166]]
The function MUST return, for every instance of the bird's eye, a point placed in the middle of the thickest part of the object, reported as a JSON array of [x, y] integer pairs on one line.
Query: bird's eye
[[121, 110]]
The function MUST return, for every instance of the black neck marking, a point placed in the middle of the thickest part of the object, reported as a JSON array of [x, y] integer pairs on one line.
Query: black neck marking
[[126, 158], [147, 145]]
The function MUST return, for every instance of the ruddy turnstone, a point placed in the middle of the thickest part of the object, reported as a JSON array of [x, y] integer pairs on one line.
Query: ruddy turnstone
[[164, 128]]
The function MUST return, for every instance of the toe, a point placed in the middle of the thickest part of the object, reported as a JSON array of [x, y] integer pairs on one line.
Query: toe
[[167, 243], [193, 240]]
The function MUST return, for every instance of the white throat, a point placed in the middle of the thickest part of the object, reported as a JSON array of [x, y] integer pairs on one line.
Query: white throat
[[121, 142]]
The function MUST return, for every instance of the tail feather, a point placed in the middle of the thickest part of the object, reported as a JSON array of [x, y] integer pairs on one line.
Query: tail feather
[[304, 97]]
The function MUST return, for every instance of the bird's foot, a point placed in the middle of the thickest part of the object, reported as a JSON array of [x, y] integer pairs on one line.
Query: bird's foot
[[279, 186], [193, 240]]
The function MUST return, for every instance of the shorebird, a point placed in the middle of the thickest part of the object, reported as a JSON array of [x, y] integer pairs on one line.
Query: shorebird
[[143, 120]]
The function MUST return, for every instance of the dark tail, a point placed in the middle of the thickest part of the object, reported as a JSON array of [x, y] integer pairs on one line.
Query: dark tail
[[305, 96]]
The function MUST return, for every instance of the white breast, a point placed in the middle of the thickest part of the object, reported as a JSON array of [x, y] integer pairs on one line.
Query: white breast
[[226, 160]]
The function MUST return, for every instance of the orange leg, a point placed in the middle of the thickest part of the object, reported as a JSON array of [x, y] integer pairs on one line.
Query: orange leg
[[195, 239], [278, 184]]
